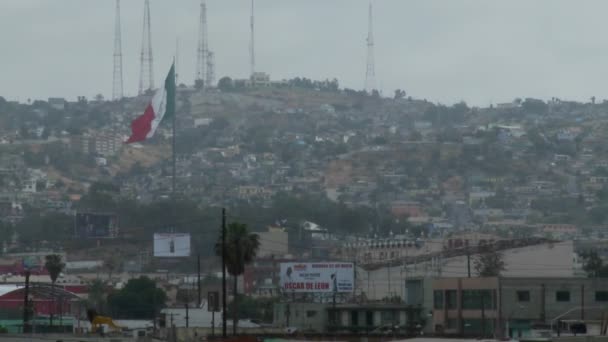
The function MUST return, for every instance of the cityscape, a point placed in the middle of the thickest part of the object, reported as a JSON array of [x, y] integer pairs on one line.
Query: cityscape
[[271, 208]]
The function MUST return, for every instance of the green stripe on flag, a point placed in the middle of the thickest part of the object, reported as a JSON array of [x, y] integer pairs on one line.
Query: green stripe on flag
[[170, 89]]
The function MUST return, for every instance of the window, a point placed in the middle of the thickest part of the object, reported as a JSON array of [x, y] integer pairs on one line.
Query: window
[[475, 299], [311, 313], [388, 317], [438, 299], [369, 318], [523, 296], [562, 296], [451, 299], [601, 296], [354, 318]]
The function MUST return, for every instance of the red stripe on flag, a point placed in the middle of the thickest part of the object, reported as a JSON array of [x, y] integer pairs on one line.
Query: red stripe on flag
[[141, 126]]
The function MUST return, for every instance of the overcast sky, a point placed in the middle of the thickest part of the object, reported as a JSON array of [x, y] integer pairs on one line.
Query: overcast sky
[[479, 51]]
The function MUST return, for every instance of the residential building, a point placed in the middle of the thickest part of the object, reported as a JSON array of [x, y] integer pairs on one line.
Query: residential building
[[260, 79], [57, 103]]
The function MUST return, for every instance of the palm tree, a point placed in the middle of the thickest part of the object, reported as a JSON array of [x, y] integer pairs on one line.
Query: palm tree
[[54, 265], [111, 264], [241, 248], [97, 291]]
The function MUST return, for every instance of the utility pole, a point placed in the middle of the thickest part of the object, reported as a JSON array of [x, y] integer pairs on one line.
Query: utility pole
[[483, 315], [187, 315], [26, 303], [198, 278], [469, 262], [154, 308], [224, 331], [389, 280]]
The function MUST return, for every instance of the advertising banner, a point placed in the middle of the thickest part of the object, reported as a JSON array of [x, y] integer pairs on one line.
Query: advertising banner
[[171, 245], [325, 277]]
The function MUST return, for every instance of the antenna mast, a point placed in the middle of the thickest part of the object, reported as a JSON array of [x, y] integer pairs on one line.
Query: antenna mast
[[146, 73], [252, 43], [176, 61], [117, 92], [202, 49], [210, 76], [370, 74]]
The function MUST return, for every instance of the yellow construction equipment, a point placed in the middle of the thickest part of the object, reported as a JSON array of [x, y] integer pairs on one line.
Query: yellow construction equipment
[[97, 321]]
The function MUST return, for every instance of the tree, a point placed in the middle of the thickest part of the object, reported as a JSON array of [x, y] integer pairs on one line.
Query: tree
[[593, 265], [489, 262], [399, 94], [54, 265], [225, 84], [111, 264], [97, 293], [199, 84], [259, 309], [139, 299], [535, 106], [241, 248]]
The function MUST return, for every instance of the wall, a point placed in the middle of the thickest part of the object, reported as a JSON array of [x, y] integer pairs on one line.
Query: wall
[[457, 319], [579, 288], [301, 315], [273, 242]]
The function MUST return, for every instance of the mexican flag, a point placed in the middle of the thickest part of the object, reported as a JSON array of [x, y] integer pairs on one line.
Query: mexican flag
[[161, 105]]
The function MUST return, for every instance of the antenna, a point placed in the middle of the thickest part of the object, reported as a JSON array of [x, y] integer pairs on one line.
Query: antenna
[[202, 50], [117, 92], [370, 74], [146, 61], [252, 42], [176, 60], [210, 76]]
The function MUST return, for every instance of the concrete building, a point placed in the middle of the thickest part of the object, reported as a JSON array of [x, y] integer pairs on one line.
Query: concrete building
[[273, 242], [101, 143], [549, 260], [196, 317], [465, 306], [376, 317], [514, 306]]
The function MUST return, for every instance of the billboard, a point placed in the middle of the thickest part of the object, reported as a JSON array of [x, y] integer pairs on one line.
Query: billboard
[[95, 225], [325, 277], [171, 245]]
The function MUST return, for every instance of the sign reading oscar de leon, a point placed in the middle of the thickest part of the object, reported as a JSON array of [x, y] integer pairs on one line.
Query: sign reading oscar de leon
[[318, 277]]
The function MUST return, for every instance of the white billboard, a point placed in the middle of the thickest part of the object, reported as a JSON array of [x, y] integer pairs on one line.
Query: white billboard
[[169, 245], [325, 277]]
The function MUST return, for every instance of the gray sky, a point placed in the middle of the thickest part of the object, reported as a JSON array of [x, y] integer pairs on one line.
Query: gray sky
[[480, 51]]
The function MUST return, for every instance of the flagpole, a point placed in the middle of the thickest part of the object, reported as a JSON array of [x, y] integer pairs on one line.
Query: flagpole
[[173, 139]]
